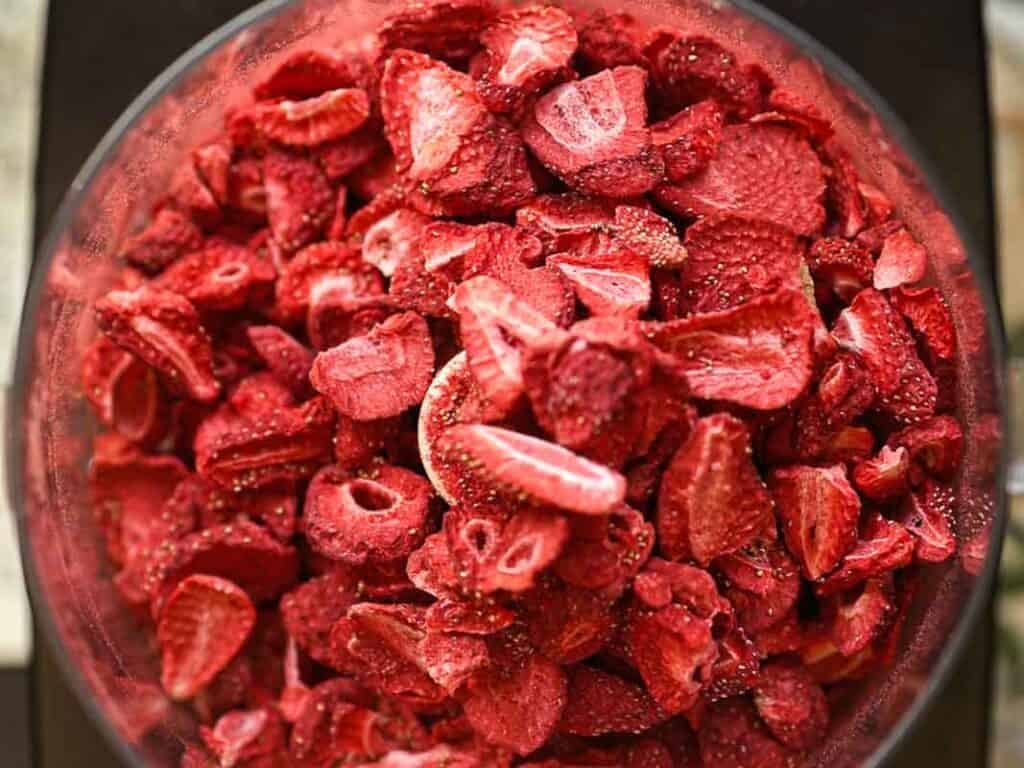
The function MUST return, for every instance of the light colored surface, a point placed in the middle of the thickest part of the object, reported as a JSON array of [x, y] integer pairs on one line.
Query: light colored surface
[[21, 25]]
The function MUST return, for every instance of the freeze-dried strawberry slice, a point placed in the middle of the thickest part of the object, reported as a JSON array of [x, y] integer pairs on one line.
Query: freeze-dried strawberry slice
[[308, 73], [860, 621], [688, 140], [731, 735], [764, 583], [168, 237], [203, 624], [791, 107], [819, 511], [349, 153], [840, 267], [593, 134], [525, 50], [690, 69], [286, 359], [163, 329], [935, 445], [260, 394], [885, 475], [302, 123], [609, 40], [872, 329], [245, 736], [521, 464], [929, 317], [926, 514], [737, 668], [844, 199], [567, 624], [213, 164], [483, 616], [391, 238], [562, 222], [124, 392], [380, 374], [712, 501], [609, 280], [254, 450], [662, 582], [902, 261], [221, 276], [733, 260], [791, 704], [516, 702], [883, 547], [604, 554], [355, 519], [444, 29], [356, 443], [757, 355], [652, 236], [310, 611], [763, 172], [300, 202], [320, 271], [189, 195], [599, 702]]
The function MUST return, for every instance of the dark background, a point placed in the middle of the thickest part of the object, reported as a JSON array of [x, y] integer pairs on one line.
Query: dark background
[[926, 58]]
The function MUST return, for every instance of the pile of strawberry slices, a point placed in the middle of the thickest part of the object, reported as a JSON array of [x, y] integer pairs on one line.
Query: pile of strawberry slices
[[520, 387]]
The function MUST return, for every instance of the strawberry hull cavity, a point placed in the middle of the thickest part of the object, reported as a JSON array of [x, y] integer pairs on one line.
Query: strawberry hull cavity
[[521, 386]]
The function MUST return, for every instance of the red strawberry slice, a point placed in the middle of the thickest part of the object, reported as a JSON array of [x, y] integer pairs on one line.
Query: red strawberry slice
[[936, 445], [733, 260], [927, 514], [840, 267], [308, 73], [737, 669], [304, 123], [844, 199], [688, 140], [349, 153], [204, 622], [260, 394], [757, 355], [192, 198], [763, 172], [320, 271], [430, 568], [525, 50], [862, 620], [819, 511], [310, 611], [884, 546], [792, 705], [604, 554], [355, 519], [221, 276], [609, 279], [731, 735], [542, 470], [124, 392], [610, 40], [599, 703], [287, 359], [391, 238], [903, 261], [213, 164], [652, 236], [380, 374], [593, 134], [885, 475], [561, 222], [764, 584], [471, 617], [792, 107], [163, 329], [872, 329], [928, 315], [712, 501], [300, 202], [168, 237], [567, 624], [444, 29], [245, 736]]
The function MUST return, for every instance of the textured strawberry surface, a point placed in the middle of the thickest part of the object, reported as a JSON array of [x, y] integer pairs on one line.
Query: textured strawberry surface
[[521, 387]]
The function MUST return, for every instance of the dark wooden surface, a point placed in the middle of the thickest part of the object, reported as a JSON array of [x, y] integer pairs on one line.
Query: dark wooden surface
[[926, 58]]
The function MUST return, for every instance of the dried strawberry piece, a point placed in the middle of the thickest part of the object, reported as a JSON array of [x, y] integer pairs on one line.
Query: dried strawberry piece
[[192, 198], [444, 29], [163, 329], [885, 475], [822, 424], [690, 69], [732, 736], [565, 623], [927, 515], [733, 260], [221, 276], [345, 155], [903, 261], [688, 140], [928, 315], [307, 73], [247, 196], [593, 134], [844, 199], [380, 374], [472, 617], [203, 624], [712, 501], [737, 669], [300, 202], [310, 611], [430, 568], [168, 237], [662, 582], [598, 702], [334, 725], [124, 392], [819, 511], [356, 443], [791, 107], [608, 281], [286, 359], [879, 207], [562, 222], [604, 554], [764, 583], [652, 236], [336, 228], [862, 619], [213, 164], [842, 267], [321, 270], [608, 40], [884, 546], [242, 737], [935, 445], [874, 237], [871, 329], [517, 701], [643, 475], [763, 172], [792, 705], [301, 123], [391, 238], [441, 755], [757, 355], [260, 394], [525, 50], [355, 519]]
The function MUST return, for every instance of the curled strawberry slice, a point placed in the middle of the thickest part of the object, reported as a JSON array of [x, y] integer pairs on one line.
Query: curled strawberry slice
[[300, 202], [883, 547], [562, 222], [204, 622], [243, 736], [609, 279], [599, 702], [605, 553], [304, 123], [319, 271], [444, 29], [124, 392], [542, 470], [688, 140], [902, 261], [168, 237], [757, 355], [308, 73], [163, 329], [221, 276]]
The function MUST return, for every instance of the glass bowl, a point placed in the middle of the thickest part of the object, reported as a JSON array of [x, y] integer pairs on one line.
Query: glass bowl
[[113, 666]]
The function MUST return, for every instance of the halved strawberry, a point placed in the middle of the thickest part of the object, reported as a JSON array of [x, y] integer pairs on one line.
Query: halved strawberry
[[304, 123], [688, 140], [712, 500], [599, 702], [610, 40], [903, 261], [300, 202], [593, 134], [220, 276], [204, 622], [168, 237], [444, 29], [791, 704]]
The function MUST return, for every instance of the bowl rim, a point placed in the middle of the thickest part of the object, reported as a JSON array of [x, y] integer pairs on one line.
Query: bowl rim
[[894, 126]]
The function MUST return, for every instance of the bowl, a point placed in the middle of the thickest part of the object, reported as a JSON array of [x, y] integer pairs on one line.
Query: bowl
[[114, 667]]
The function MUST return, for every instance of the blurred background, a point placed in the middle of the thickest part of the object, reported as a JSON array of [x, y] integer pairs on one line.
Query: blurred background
[[68, 69]]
